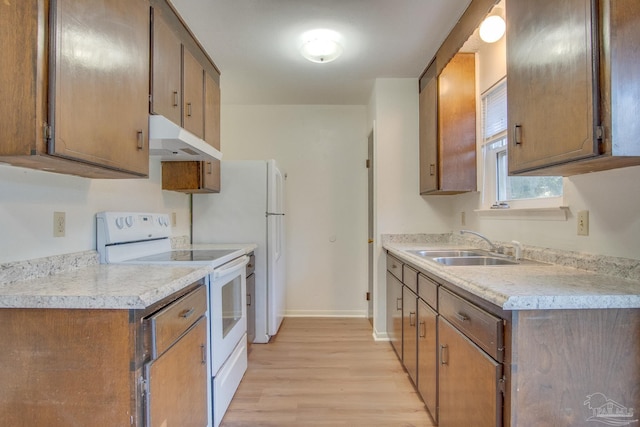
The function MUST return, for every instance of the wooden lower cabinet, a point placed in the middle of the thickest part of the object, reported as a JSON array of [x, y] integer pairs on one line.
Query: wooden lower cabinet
[[469, 380], [427, 357], [394, 313], [86, 367], [410, 333], [177, 382]]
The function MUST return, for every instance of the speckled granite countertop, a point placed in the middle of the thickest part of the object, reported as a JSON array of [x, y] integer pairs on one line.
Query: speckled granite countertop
[[528, 286], [97, 285]]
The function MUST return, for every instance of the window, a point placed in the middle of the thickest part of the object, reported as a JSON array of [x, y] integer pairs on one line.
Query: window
[[500, 189]]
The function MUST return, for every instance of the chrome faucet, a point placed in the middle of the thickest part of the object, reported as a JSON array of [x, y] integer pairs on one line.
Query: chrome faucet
[[494, 248]]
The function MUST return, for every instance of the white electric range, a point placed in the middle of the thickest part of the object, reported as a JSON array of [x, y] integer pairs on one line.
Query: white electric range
[[144, 238]]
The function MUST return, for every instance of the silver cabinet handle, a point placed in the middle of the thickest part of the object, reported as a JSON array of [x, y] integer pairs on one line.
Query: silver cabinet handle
[[188, 109], [399, 304], [443, 347], [412, 321], [423, 330], [175, 98], [140, 139], [187, 313], [462, 317], [249, 299], [203, 348], [432, 169], [209, 168], [517, 134]]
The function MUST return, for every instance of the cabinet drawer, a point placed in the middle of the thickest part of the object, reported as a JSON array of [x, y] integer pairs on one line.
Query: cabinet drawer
[[484, 329], [251, 265], [428, 291], [410, 278], [168, 324], [395, 267]]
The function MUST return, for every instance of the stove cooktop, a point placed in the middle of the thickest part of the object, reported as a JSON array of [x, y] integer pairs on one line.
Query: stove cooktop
[[186, 255]]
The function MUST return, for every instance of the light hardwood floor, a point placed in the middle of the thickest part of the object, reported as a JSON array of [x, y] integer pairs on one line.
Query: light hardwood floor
[[325, 372]]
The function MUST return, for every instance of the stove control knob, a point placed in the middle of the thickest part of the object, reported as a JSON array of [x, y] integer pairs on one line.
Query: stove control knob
[[129, 221], [120, 222]]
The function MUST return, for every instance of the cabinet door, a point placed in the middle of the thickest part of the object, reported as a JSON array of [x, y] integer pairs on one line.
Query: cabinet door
[[251, 308], [193, 114], [166, 80], [410, 333], [550, 84], [394, 313], [468, 389], [457, 125], [211, 176], [100, 96], [427, 357], [429, 135], [177, 382], [212, 111]]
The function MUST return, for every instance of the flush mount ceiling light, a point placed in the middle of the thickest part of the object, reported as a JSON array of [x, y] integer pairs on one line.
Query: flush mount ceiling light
[[321, 46], [493, 27]]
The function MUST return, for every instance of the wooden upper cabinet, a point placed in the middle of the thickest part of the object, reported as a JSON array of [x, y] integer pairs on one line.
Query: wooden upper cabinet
[[448, 129], [78, 87], [212, 111], [570, 85], [191, 177], [550, 81], [193, 102], [429, 133], [166, 78], [101, 74]]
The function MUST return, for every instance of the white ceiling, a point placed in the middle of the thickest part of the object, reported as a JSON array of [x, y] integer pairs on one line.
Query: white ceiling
[[254, 43]]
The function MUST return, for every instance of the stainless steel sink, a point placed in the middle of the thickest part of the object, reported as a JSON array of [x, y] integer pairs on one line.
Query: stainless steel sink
[[474, 260], [425, 253]]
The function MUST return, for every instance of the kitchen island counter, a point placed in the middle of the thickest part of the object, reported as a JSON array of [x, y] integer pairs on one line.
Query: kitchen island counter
[[528, 286]]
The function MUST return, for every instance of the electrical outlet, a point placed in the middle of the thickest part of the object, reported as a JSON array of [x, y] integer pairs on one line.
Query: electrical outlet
[[59, 224], [174, 219], [583, 223]]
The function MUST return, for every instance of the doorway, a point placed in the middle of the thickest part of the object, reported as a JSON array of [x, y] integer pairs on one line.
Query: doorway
[[370, 228]]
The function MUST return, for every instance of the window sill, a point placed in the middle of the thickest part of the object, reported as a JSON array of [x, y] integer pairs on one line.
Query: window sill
[[559, 213]]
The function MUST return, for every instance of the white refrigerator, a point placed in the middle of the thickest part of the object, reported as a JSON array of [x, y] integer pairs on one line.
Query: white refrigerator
[[250, 209]]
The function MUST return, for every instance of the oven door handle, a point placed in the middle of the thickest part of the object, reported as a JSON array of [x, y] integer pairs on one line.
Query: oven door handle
[[231, 267]]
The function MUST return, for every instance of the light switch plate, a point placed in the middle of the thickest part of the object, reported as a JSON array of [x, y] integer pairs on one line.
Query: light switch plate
[[583, 223], [59, 224]]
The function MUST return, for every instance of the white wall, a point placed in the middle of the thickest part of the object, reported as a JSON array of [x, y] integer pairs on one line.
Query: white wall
[[399, 208], [29, 198], [322, 149], [611, 197]]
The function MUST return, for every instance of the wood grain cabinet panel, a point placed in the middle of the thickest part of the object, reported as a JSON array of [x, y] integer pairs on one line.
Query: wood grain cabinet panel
[[468, 388], [193, 102], [427, 358], [177, 382], [191, 177], [448, 150], [394, 313], [212, 111], [166, 76], [410, 332], [570, 85], [80, 94]]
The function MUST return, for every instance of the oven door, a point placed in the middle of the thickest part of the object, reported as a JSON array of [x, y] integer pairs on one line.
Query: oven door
[[228, 294]]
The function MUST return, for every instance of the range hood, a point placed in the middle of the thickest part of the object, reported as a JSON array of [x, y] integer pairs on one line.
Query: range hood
[[170, 142]]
